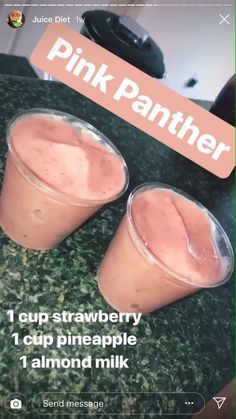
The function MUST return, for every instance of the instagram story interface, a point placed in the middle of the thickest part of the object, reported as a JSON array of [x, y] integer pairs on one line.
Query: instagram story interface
[[117, 126]]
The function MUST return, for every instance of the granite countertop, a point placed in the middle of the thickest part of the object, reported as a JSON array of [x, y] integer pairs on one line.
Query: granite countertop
[[16, 66], [187, 346]]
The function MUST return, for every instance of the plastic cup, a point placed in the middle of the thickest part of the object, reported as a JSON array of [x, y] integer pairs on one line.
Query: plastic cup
[[35, 214], [132, 279]]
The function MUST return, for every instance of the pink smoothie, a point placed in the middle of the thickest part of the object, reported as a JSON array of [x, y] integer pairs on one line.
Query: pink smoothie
[[57, 175], [178, 233], [165, 248], [70, 161]]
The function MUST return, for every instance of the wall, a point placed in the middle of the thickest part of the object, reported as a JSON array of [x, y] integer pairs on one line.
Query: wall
[[193, 42], [22, 42]]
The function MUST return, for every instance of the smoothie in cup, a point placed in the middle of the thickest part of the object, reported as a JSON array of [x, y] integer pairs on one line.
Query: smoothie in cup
[[59, 172], [167, 247]]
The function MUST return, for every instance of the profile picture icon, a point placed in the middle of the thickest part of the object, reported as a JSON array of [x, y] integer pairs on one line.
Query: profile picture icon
[[15, 19]]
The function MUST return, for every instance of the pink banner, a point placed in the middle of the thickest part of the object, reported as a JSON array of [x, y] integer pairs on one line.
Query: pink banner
[[137, 98]]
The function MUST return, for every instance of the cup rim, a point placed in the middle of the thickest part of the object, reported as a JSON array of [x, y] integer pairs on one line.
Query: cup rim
[[151, 258], [41, 184]]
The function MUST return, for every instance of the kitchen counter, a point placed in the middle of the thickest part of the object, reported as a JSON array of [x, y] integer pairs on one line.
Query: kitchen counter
[[187, 346], [16, 66]]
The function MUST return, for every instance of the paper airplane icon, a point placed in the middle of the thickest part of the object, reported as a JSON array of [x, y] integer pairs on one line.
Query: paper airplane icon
[[220, 401]]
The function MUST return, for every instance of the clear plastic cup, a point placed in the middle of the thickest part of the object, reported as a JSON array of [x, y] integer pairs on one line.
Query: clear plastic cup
[[33, 213], [132, 279]]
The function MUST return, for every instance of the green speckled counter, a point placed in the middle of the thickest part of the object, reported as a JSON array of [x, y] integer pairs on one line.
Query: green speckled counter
[[16, 66], [187, 346]]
